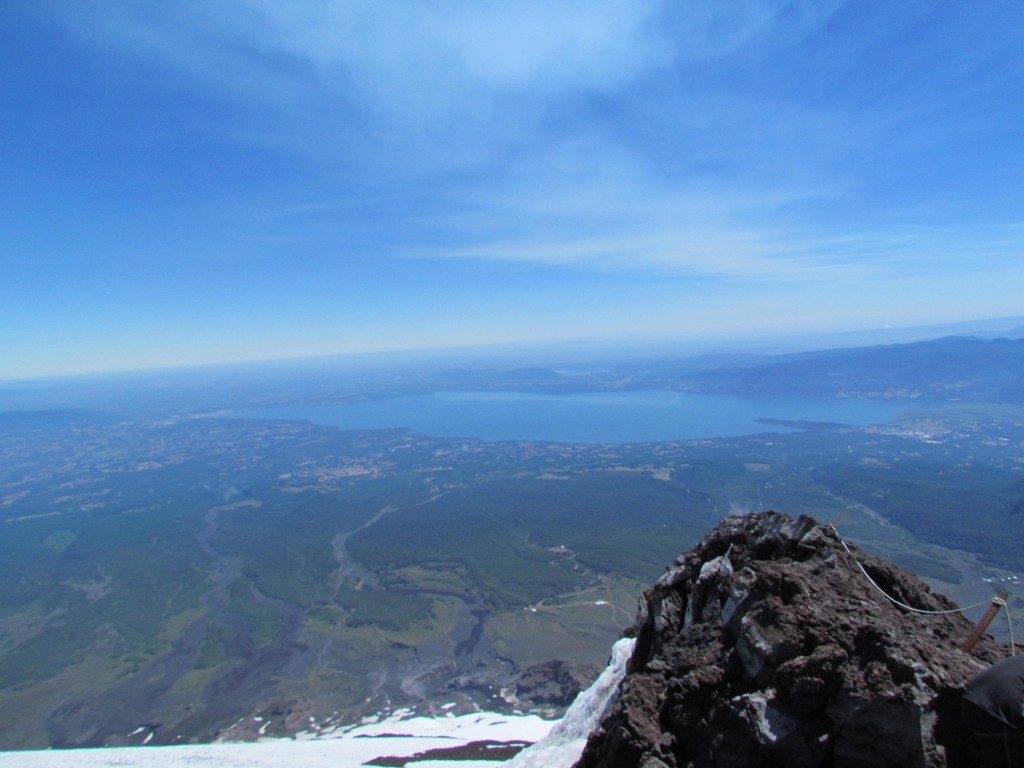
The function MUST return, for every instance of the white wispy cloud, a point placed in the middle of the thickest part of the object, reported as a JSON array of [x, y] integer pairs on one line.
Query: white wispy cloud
[[471, 79], [514, 132]]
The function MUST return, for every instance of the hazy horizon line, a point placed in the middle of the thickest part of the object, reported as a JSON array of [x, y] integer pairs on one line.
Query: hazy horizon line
[[570, 350]]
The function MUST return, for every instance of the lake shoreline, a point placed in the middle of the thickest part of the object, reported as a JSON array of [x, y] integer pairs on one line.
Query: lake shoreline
[[622, 417]]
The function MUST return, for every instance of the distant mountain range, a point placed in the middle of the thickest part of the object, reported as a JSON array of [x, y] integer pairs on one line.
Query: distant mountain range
[[972, 368], [950, 369]]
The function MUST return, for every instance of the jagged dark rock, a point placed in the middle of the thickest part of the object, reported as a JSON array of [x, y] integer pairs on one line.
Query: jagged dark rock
[[552, 685], [766, 646]]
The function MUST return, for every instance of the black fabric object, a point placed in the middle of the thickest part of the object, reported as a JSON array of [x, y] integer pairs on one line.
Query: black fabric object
[[993, 709], [994, 743], [999, 691]]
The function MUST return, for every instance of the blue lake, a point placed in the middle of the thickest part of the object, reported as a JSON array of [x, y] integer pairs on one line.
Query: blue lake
[[601, 417]]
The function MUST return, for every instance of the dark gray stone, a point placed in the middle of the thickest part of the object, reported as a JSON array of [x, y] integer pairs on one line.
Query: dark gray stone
[[765, 646]]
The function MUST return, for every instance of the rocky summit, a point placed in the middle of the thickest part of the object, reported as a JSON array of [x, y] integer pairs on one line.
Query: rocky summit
[[766, 645]]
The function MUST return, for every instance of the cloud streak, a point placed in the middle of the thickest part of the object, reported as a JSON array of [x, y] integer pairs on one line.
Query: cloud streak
[[410, 156]]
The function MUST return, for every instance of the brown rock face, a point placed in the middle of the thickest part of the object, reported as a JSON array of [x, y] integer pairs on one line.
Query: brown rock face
[[553, 684], [766, 646]]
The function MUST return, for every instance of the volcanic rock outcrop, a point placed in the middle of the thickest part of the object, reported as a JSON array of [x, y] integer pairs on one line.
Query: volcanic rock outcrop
[[551, 686], [766, 645]]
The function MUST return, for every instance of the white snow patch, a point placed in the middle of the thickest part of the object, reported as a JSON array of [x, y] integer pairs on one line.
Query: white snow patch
[[556, 744], [349, 747], [563, 745]]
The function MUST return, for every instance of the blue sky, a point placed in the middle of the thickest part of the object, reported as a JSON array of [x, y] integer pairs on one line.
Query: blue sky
[[223, 180]]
